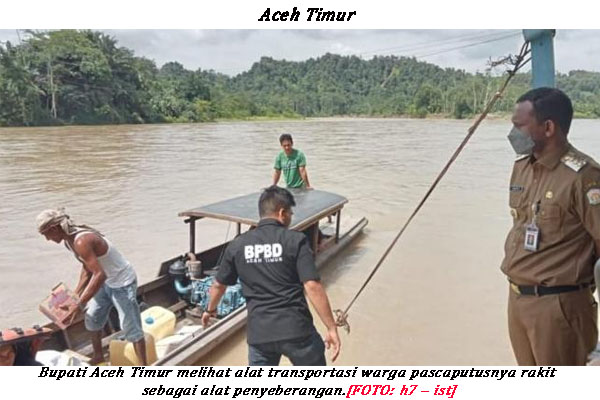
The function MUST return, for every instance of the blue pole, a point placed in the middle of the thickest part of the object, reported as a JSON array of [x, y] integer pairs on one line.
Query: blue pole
[[542, 56]]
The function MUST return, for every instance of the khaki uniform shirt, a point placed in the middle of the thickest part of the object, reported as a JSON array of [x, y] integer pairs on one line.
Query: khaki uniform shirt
[[566, 185]]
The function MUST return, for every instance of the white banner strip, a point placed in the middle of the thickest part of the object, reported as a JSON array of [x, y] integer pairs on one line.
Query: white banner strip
[[427, 382]]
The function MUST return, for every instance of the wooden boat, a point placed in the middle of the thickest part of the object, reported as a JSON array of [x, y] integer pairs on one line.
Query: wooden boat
[[317, 213]]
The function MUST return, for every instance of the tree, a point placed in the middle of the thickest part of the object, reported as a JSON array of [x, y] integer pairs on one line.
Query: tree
[[85, 77]]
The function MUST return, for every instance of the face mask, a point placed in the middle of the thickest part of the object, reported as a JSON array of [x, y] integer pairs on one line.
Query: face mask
[[521, 142]]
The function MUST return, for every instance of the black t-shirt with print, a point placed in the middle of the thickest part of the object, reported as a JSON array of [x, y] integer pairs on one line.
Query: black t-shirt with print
[[272, 263]]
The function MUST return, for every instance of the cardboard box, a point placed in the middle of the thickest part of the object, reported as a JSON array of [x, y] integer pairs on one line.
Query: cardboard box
[[51, 306]]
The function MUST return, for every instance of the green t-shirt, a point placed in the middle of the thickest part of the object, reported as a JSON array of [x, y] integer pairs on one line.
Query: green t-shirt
[[289, 166]]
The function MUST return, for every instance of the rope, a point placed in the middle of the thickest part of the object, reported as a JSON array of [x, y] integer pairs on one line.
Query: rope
[[518, 62]]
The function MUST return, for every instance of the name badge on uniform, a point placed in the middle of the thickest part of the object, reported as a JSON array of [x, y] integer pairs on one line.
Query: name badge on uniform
[[532, 237], [532, 232]]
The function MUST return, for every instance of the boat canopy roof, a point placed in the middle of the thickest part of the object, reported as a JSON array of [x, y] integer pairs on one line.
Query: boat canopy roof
[[311, 205]]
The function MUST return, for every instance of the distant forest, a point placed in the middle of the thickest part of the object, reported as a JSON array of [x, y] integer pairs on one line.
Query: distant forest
[[84, 77]]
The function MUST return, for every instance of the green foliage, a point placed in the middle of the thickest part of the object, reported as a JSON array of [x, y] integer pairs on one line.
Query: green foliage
[[84, 77]]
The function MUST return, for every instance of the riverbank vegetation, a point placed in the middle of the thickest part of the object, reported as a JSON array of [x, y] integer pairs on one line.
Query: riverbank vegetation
[[85, 77]]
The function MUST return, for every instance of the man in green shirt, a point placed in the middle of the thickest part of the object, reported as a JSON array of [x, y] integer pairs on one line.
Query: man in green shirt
[[293, 164]]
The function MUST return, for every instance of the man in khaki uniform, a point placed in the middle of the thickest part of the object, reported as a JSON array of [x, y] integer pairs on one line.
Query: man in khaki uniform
[[554, 243]]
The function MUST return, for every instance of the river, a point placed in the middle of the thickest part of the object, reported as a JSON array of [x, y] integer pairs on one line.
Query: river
[[439, 298]]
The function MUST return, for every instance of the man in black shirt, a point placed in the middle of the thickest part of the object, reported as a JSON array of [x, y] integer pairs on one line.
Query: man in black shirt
[[275, 265]]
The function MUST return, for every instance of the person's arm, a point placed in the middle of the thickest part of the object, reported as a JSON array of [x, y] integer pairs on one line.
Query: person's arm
[[277, 169], [597, 268], [276, 176], [318, 298], [217, 290], [84, 278], [587, 207], [304, 176], [84, 247], [227, 275], [307, 272]]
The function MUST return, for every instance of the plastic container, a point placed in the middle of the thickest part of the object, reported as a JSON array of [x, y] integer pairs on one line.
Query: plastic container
[[159, 322], [169, 343], [123, 353]]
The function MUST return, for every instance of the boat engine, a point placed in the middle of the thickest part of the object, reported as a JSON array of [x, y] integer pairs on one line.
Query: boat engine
[[194, 288]]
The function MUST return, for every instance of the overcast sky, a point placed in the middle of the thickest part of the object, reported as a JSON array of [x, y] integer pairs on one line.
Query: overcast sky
[[234, 51]]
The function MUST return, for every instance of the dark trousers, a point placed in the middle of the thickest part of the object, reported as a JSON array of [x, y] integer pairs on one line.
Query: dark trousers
[[309, 350]]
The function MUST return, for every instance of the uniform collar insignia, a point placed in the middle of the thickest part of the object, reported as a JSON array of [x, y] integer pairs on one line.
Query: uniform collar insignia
[[573, 161]]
